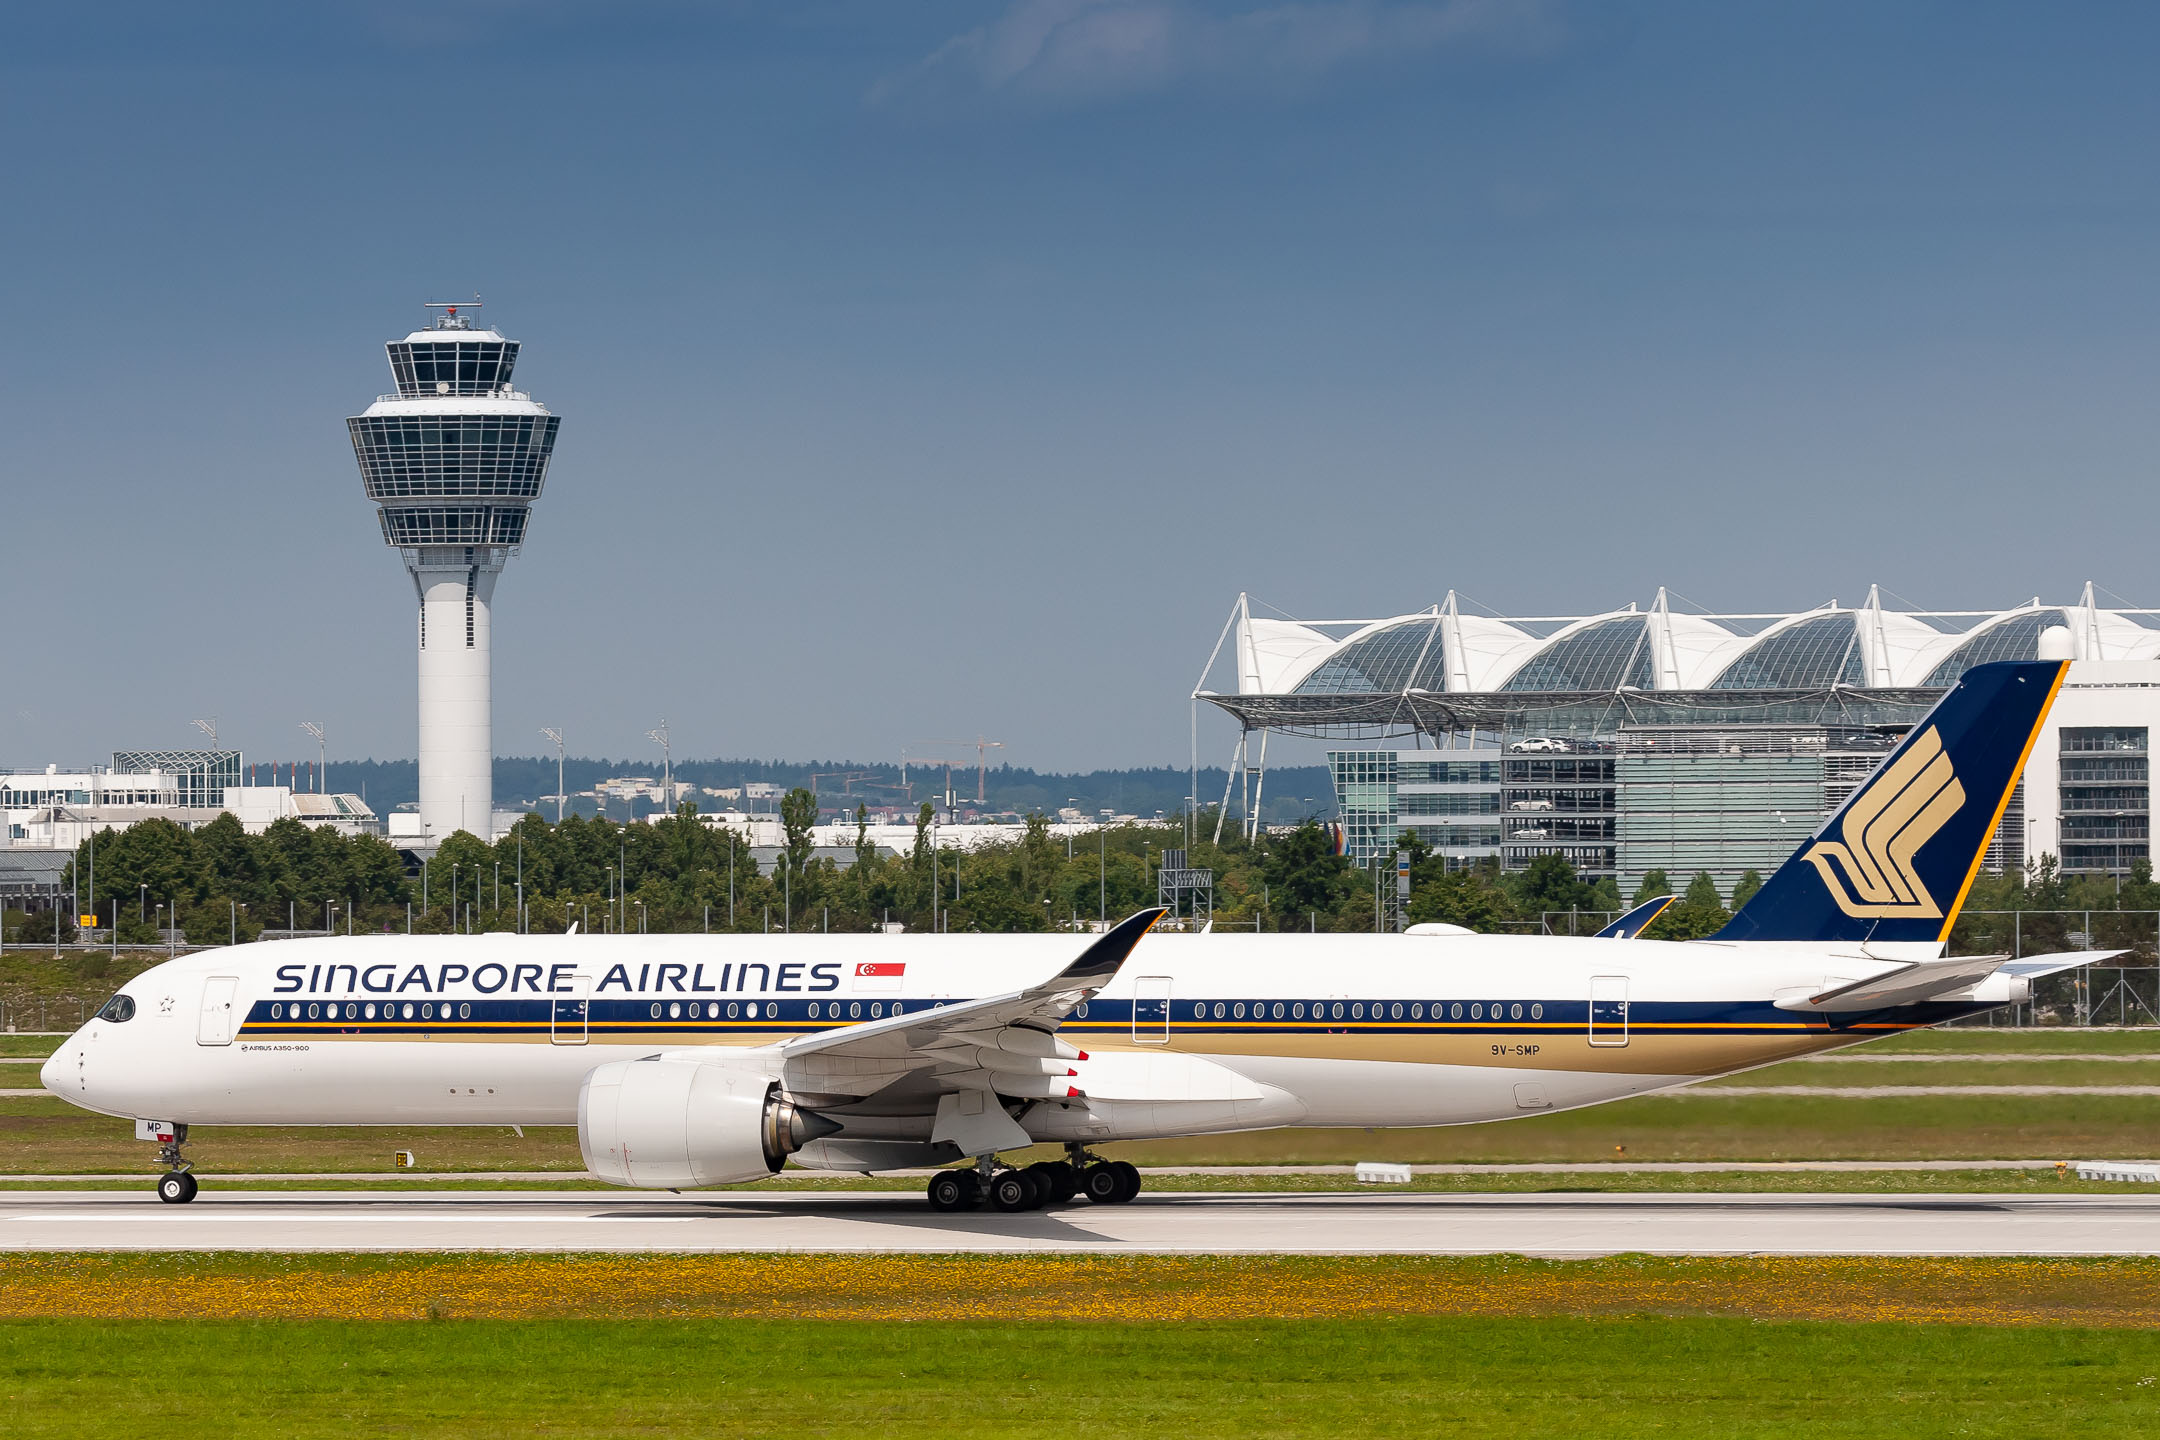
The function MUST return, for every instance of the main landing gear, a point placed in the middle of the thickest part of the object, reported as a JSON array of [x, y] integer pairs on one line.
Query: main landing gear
[[177, 1185], [1048, 1182]]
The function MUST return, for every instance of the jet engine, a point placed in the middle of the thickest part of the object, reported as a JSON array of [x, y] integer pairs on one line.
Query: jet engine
[[679, 1124]]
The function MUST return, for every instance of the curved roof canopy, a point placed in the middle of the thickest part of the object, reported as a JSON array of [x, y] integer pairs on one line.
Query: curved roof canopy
[[1443, 653]]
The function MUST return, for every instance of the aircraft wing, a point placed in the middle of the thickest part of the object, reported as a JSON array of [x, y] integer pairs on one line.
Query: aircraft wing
[[2032, 967], [1005, 1043]]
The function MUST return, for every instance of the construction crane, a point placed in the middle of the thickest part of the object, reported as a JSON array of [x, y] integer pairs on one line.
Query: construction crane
[[982, 762], [848, 779]]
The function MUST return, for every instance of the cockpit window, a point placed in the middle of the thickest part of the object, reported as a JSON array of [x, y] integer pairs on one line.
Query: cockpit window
[[119, 1008]]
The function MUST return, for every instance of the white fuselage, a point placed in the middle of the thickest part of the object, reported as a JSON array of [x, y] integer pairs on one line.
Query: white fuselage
[[1196, 1034]]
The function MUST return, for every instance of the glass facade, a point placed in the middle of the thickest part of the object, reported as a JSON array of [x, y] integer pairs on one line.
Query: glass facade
[[203, 774], [428, 455], [2017, 638], [1811, 655], [454, 524], [1730, 800], [452, 367], [1452, 804], [1603, 656], [1402, 657], [2106, 798]]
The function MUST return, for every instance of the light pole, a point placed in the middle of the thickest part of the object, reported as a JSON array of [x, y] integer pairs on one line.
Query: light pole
[[554, 733], [322, 752], [610, 893], [142, 896]]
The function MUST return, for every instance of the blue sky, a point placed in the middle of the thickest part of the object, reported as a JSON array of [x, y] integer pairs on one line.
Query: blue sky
[[948, 368]]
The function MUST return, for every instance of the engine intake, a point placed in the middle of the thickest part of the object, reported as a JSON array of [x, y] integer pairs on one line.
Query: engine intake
[[678, 1124]]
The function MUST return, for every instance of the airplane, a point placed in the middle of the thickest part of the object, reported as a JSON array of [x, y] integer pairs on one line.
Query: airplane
[[688, 1061]]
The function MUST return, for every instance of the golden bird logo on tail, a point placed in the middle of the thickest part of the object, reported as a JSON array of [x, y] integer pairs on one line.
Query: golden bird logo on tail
[[1870, 873]]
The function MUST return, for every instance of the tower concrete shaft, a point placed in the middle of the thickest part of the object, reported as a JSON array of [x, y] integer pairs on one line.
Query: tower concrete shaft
[[454, 460]]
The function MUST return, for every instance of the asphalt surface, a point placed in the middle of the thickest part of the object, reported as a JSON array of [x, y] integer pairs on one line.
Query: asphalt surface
[[1168, 1222]]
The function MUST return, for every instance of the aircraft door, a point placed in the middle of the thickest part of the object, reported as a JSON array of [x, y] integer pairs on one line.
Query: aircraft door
[[214, 1026], [1608, 1010], [569, 1016], [1151, 1010]]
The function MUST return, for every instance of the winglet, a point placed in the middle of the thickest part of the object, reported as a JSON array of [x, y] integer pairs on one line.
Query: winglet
[[1631, 925], [1100, 961]]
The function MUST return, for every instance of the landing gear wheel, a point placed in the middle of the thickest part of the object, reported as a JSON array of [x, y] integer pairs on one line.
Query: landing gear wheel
[[954, 1190], [1015, 1190], [1128, 1180], [177, 1188], [1059, 1181], [1102, 1184]]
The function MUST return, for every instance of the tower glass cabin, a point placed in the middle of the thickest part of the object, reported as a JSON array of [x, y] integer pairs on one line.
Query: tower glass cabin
[[454, 460]]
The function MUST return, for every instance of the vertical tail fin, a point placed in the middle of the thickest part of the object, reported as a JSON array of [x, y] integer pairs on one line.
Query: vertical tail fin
[[1894, 863]]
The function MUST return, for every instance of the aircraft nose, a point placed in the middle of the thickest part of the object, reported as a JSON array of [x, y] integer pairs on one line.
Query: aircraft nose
[[52, 1075]]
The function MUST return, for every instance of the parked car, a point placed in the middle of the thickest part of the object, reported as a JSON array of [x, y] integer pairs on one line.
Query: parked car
[[1539, 745], [1531, 805]]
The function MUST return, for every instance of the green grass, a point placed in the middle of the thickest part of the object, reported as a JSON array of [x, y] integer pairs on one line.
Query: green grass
[[2034, 1039], [29, 1047], [1979, 1070], [1566, 1377]]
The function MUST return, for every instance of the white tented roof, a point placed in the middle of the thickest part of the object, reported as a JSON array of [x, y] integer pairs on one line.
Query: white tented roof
[[1659, 648]]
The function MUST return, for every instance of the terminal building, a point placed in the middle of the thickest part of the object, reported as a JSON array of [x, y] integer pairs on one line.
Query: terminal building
[[1651, 738]]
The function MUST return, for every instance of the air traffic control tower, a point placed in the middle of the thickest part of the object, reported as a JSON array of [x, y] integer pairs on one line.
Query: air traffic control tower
[[454, 459]]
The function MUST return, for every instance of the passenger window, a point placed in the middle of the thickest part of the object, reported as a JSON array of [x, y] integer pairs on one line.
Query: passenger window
[[750, 1011], [1338, 1010], [1297, 1011], [674, 1010], [896, 1007], [121, 1009], [813, 1009], [1278, 1010], [408, 1010], [368, 1010], [876, 1010], [731, 1010], [311, 1012], [1417, 1012], [464, 1011], [1454, 1012], [854, 1010], [655, 1009], [1477, 1012], [1357, 1012], [1537, 1012], [1395, 1012], [277, 1011], [1514, 1012]]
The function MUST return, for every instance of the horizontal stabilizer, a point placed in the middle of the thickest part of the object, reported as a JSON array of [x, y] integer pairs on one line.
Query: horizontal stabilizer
[[1905, 985], [2032, 967]]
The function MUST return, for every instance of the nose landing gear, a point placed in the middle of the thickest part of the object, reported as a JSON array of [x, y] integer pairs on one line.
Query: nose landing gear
[[177, 1186]]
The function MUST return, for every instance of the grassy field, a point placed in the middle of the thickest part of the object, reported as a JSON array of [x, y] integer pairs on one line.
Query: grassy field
[[572, 1345]]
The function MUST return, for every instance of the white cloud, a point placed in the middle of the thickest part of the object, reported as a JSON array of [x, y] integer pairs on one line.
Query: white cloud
[[1078, 51]]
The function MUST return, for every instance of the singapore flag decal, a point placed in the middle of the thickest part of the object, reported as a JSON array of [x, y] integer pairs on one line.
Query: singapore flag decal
[[880, 975]]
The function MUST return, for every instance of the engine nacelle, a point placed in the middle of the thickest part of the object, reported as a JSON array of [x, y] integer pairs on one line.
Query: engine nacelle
[[680, 1124]]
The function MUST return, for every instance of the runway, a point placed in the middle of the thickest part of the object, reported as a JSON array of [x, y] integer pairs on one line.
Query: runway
[[1166, 1223]]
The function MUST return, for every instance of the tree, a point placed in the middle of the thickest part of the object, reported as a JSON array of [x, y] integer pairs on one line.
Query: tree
[[1653, 885], [1303, 873], [1745, 890], [798, 814], [1700, 912]]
